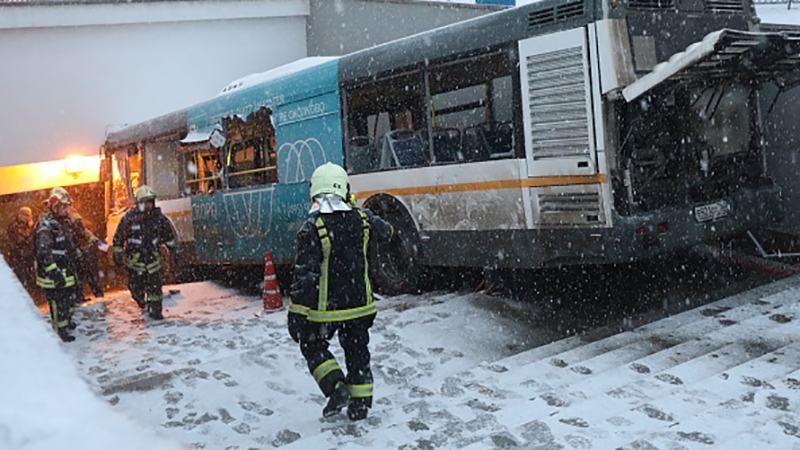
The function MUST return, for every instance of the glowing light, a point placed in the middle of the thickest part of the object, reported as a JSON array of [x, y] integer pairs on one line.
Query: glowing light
[[45, 175], [74, 165]]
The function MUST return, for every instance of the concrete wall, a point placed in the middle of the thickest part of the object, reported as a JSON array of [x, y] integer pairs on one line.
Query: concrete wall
[[70, 71], [337, 27]]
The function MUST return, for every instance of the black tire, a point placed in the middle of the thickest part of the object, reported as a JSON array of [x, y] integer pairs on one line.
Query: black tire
[[394, 268]]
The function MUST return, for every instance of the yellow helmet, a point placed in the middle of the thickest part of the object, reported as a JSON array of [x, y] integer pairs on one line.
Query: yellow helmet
[[145, 193], [329, 178]]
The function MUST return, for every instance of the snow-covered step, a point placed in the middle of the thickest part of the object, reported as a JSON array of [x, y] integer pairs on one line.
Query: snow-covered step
[[745, 404], [700, 358], [668, 343], [654, 363], [646, 388], [574, 342], [701, 397]]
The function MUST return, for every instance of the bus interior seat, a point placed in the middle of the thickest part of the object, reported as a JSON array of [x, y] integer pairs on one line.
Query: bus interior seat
[[360, 155], [447, 145], [491, 140], [402, 148], [474, 144], [500, 139]]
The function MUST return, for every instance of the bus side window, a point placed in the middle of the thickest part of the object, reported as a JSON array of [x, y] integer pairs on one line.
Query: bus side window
[[387, 124], [472, 109], [202, 169], [162, 169]]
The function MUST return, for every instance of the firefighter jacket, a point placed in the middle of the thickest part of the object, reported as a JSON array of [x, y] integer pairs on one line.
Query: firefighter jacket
[[139, 237], [55, 251], [331, 275]]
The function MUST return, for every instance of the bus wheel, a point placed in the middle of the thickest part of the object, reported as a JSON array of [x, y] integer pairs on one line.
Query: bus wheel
[[394, 267]]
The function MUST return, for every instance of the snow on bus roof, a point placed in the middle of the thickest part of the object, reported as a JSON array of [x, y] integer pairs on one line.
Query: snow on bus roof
[[276, 73]]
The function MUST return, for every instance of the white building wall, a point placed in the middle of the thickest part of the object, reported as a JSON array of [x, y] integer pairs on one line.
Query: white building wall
[[68, 72]]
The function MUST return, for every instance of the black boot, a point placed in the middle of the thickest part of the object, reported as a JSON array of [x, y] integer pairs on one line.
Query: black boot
[[65, 336], [155, 311], [357, 412], [337, 401], [142, 304], [98, 293]]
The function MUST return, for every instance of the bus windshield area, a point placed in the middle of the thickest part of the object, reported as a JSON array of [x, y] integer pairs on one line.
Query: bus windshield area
[[126, 178], [451, 112]]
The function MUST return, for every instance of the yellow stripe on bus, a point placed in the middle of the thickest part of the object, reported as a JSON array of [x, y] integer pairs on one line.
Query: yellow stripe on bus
[[566, 180]]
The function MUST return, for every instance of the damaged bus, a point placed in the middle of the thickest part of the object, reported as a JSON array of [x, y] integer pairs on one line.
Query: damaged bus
[[561, 132]]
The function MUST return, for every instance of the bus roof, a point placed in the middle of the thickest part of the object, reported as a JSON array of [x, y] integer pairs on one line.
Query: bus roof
[[463, 37], [176, 123], [277, 73], [170, 124]]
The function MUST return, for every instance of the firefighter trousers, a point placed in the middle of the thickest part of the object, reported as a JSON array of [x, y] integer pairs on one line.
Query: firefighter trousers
[[146, 289], [61, 302], [354, 339]]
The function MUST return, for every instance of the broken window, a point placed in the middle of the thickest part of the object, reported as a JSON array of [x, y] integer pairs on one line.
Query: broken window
[[250, 158]]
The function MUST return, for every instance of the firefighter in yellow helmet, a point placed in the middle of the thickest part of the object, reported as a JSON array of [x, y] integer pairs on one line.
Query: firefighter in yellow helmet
[[137, 245], [331, 291], [56, 262]]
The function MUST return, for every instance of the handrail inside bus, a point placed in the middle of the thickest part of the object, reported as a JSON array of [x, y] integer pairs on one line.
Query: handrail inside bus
[[247, 172], [200, 180]]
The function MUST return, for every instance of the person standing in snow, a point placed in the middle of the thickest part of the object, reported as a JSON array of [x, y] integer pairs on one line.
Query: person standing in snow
[[20, 246], [331, 292], [56, 262], [86, 242], [137, 245]]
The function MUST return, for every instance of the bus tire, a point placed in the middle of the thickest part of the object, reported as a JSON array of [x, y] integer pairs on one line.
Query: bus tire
[[394, 265]]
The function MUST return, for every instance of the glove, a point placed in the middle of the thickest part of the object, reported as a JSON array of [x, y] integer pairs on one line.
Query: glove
[[118, 259], [58, 278], [297, 326]]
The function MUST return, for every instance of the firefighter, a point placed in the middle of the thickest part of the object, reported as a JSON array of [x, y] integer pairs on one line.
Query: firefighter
[[56, 262], [87, 243], [20, 246], [331, 292], [137, 245]]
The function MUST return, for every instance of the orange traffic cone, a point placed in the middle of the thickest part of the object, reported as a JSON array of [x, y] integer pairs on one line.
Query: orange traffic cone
[[272, 293]]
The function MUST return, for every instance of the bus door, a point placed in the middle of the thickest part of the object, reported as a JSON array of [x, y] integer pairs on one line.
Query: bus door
[[559, 128]]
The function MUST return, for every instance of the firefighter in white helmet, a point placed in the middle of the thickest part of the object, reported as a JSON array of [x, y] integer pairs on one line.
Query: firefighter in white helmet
[[56, 262], [331, 291], [137, 245]]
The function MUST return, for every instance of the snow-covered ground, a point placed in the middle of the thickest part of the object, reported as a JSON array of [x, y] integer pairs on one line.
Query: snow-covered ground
[[450, 373], [44, 404], [215, 374]]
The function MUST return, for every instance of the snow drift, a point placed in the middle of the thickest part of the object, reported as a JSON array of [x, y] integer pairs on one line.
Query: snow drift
[[45, 405]]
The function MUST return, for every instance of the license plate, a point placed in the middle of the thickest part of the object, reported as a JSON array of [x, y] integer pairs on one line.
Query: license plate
[[712, 211]]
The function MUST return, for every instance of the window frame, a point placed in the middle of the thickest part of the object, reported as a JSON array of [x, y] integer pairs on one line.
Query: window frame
[[507, 50]]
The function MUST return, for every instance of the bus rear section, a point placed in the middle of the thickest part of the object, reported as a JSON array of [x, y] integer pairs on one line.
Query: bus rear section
[[610, 156], [651, 160]]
